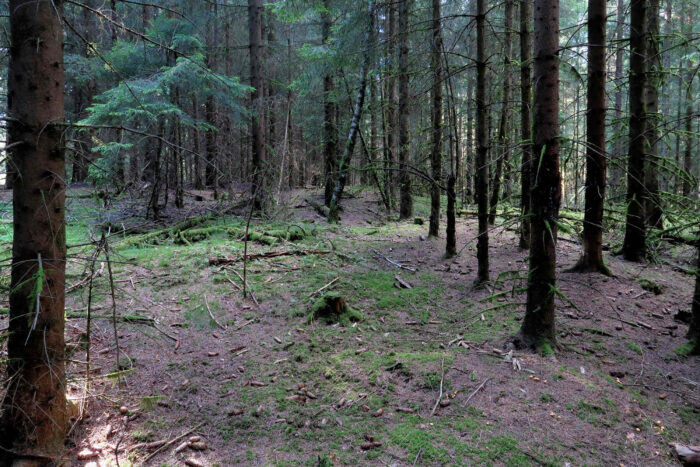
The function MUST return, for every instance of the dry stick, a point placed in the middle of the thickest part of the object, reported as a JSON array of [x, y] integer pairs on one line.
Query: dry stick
[[475, 391], [325, 287], [442, 379], [255, 300], [105, 246], [398, 265], [171, 442], [210, 314]]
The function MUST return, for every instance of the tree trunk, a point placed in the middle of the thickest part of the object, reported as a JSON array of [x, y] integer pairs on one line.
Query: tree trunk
[[504, 144], [694, 330], [652, 202], [450, 232], [330, 135], [525, 122], [333, 214], [34, 412], [406, 202], [392, 105], [436, 119], [538, 328], [257, 124], [617, 169], [482, 248], [634, 247], [592, 259]]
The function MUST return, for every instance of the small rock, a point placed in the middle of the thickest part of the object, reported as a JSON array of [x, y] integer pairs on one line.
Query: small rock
[[87, 454]]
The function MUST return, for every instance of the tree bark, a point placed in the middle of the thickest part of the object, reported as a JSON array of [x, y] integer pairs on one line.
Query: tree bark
[[504, 144], [34, 407], [330, 135], [406, 201], [450, 232], [616, 174], [653, 78], [694, 330], [482, 248], [436, 120], [596, 158], [634, 247], [525, 121], [538, 327], [257, 124]]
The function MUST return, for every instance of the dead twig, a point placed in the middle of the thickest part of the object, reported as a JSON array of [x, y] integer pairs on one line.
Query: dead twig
[[442, 380], [206, 302], [390, 261], [324, 287], [475, 391], [171, 442]]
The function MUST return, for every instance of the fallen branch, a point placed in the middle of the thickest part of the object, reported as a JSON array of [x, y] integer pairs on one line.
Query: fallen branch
[[318, 207], [87, 279], [398, 265], [171, 442], [215, 261]]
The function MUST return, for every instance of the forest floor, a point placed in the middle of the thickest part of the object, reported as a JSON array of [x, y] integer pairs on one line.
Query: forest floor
[[259, 383]]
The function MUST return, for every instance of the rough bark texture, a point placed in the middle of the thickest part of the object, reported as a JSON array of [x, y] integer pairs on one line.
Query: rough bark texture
[[596, 158], [391, 109], [504, 144], [634, 247], [482, 246], [538, 324], [652, 81], [406, 201], [525, 121], [257, 123], [330, 136], [436, 120], [34, 407]]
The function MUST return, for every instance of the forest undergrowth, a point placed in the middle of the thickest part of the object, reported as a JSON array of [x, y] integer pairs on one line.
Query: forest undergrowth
[[183, 369]]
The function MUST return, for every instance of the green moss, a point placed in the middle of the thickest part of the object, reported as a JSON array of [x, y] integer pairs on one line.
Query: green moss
[[650, 286], [332, 308], [634, 348]]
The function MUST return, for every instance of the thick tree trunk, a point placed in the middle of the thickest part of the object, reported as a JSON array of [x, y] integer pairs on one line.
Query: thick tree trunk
[[504, 143], [390, 114], [436, 120], [257, 124], [406, 201], [634, 247], [34, 417], [654, 76], [333, 214], [330, 135], [482, 246], [525, 122], [450, 232], [596, 158], [538, 325]]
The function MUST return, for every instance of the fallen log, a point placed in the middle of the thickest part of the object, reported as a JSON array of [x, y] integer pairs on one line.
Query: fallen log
[[318, 207], [219, 260]]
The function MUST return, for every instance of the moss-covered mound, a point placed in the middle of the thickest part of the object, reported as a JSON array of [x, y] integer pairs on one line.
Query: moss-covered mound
[[332, 308]]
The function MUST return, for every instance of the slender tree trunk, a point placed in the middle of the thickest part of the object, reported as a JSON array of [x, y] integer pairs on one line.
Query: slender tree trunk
[[538, 327], [436, 119], [617, 172], [34, 415], [406, 204], [450, 232], [525, 122], [392, 104], [652, 202], [333, 214], [257, 123], [596, 159], [482, 247], [634, 247], [330, 135], [470, 166], [504, 144]]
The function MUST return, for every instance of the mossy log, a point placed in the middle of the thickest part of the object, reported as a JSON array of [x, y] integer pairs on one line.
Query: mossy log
[[332, 308]]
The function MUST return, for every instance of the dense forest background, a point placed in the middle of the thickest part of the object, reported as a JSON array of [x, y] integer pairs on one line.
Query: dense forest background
[[411, 228]]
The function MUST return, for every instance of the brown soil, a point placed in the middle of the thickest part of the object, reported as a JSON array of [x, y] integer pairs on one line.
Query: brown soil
[[614, 392]]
